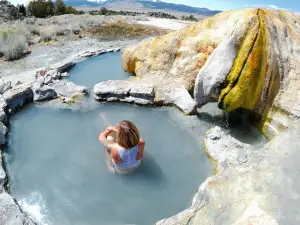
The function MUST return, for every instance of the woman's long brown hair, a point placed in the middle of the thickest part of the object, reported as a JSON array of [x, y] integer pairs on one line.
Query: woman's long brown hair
[[128, 135]]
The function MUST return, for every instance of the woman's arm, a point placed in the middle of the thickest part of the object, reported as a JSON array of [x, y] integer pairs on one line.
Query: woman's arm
[[112, 150], [104, 134], [141, 146]]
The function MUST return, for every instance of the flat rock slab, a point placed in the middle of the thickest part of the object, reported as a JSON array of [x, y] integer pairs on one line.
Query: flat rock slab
[[63, 65], [125, 91], [179, 97], [11, 213], [18, 96]]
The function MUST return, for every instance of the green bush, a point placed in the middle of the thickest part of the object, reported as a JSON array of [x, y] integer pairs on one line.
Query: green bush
[[22, 10], [12, 43], [71, 10], [41, 8], [59, 7]]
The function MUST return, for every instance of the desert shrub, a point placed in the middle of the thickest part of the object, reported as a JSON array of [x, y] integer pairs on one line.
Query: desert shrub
[[189, 18], [40, 8], [49, 33], [71, 10], [59, 7], [29, 21], [12, 43]]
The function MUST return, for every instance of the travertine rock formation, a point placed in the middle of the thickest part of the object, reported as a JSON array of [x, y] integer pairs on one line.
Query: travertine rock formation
[[245, 59]]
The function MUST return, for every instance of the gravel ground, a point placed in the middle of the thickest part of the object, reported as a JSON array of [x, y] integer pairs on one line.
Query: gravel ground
[[45, 55]]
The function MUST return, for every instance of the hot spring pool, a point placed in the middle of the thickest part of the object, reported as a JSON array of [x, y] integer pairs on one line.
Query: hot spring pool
[[57, 167]]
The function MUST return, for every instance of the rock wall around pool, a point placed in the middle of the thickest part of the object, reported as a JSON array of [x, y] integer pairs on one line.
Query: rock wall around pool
[[245, 59], [251, 185], [33, 86]]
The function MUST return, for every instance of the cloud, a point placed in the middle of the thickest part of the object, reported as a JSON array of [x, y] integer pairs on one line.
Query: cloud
[[264, 6], [273, 6]]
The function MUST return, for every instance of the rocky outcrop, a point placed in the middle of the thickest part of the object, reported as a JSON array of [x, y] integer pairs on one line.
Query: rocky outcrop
[[11, 213], [245, 59], [251, 185], [17, 97], [144, 94]]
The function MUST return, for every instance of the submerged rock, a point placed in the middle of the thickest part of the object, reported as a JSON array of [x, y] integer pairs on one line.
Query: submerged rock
[[11, 213], [17, 96], [68, 92], [245, 59]]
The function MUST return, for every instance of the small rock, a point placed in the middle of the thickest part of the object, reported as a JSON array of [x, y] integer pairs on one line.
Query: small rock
[[53, 73], [44, 93], [64, 75], [2, 173], [18, 83], [3, 116], [4, 86], [11, 213], [110, 50], [3, 132], [2, 103], [179, 97], [48, 80]]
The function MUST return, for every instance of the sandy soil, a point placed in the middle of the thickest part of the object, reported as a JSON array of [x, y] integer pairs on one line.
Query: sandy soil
[[166, 23]]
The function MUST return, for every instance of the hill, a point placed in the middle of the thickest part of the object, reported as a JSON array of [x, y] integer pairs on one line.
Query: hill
[[142, 5]]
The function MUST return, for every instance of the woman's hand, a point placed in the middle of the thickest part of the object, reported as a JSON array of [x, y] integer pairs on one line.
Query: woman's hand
[[112, 129]]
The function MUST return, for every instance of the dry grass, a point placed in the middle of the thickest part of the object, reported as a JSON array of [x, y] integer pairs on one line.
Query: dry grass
[[121, 30]]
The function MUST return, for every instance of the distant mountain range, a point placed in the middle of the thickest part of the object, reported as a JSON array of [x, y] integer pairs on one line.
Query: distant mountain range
[[141, 5]]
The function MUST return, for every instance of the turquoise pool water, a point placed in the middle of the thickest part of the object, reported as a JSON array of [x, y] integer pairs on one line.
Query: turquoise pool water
[[57, 168]]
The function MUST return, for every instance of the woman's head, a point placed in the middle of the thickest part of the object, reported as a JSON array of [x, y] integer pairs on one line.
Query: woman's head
[[128, 135]]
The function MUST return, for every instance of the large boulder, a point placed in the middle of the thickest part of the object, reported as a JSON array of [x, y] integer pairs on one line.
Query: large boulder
[[246, 59], [11, 213]]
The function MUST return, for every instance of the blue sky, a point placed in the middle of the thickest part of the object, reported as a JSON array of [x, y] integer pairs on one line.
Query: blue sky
[[292, 5]]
